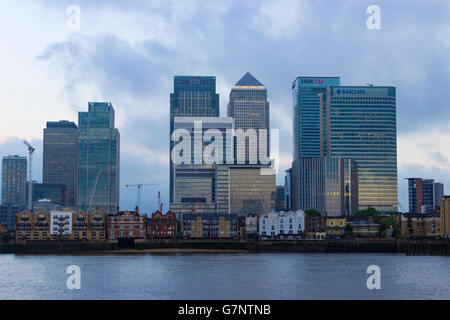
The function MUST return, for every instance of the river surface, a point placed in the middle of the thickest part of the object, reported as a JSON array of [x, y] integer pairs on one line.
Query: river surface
[[225, 276]]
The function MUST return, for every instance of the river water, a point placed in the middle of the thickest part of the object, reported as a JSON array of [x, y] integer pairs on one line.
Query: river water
[[225, 276]]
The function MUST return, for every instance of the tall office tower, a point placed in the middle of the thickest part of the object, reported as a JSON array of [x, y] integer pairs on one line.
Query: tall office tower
[[193, 96], [415, 194], [200, 177], [421, 195], [8, 213], [288, 189], [98, 159], [360, 123], [14, 180], [60, 158], [438, 194], [306, 114], [249, 108], [428, 196], [280, 204], [323, 186]]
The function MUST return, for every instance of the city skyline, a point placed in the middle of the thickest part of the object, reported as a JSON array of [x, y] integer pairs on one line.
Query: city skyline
[[137, 80]]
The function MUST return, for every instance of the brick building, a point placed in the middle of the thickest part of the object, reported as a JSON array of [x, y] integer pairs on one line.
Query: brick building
[[127, 224], [163, 226], [419, 224]]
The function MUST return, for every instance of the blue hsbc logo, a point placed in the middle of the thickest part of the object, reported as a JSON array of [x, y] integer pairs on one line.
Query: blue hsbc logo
[[351, 91]]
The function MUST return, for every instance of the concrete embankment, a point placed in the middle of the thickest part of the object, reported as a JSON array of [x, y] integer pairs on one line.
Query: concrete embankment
[[410, 247]]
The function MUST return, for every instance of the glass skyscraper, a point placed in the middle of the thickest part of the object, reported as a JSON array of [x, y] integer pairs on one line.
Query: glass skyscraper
[[200, 182], [323, 185], [14, 180], [360, 123], [98, 159], [306, 114], [249, 108], [60, 158], [193, 96]]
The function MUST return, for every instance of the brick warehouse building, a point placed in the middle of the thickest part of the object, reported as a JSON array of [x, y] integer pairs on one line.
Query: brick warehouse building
[[127, 224], [163, 226]]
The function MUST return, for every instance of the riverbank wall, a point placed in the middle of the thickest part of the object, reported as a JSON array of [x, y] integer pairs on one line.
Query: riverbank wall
[[408, 247]]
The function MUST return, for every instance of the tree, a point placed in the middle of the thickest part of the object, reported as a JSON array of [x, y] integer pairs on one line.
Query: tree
[[348, 230], [312, 213], [386, 223], [6, 237]]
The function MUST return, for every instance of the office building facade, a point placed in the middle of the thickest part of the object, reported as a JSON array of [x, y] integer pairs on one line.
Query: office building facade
[[288, 189], [307, 114], [249, 107], [56, 193], [193, 96], [14, 180], [98, 159], [421, 195], [8, 213], [251, 191], [319, 183], [60, 157], [438, 195], [359, 123]]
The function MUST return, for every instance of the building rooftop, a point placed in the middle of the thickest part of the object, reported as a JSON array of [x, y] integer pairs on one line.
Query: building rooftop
[[248, 80]]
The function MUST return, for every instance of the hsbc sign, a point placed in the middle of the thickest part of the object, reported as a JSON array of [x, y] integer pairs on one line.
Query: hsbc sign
[[312, 81]]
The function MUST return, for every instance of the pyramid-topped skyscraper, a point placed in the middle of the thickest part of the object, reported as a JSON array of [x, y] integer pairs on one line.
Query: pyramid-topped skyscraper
[[248, 80], [250, 109]]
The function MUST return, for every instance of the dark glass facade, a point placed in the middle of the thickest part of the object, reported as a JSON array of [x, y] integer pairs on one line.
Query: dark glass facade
[[14, 180], [60, 158], [306, 114], [327, 184], [360, 123], [8, 213], [57, 193], [98, 159], [193, 96]]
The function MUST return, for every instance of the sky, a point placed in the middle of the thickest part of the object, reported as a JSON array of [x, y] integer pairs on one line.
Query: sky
[[127, 52]]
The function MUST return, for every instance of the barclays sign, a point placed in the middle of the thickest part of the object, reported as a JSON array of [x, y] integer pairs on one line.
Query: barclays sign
[[350, 91]]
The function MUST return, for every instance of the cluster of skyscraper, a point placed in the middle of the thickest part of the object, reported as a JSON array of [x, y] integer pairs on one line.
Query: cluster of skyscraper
[[344, 153], [216, 162], [80, 165], [345, 147]]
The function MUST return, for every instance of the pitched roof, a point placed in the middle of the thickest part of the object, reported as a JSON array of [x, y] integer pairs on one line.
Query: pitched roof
[[248, 80]]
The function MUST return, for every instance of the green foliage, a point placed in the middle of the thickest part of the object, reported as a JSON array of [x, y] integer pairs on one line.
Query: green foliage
[[386, 223], [348, 230], [369, 212], [6, 237], [179, 227]]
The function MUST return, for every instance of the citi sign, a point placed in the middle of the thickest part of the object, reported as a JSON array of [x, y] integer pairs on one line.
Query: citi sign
[[351, 91], [312, 81]]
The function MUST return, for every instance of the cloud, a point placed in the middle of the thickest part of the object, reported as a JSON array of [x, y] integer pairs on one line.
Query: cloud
[[128, 53]]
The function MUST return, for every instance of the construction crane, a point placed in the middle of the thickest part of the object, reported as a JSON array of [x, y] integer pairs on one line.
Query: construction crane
[[139, 186], [30, 175]]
